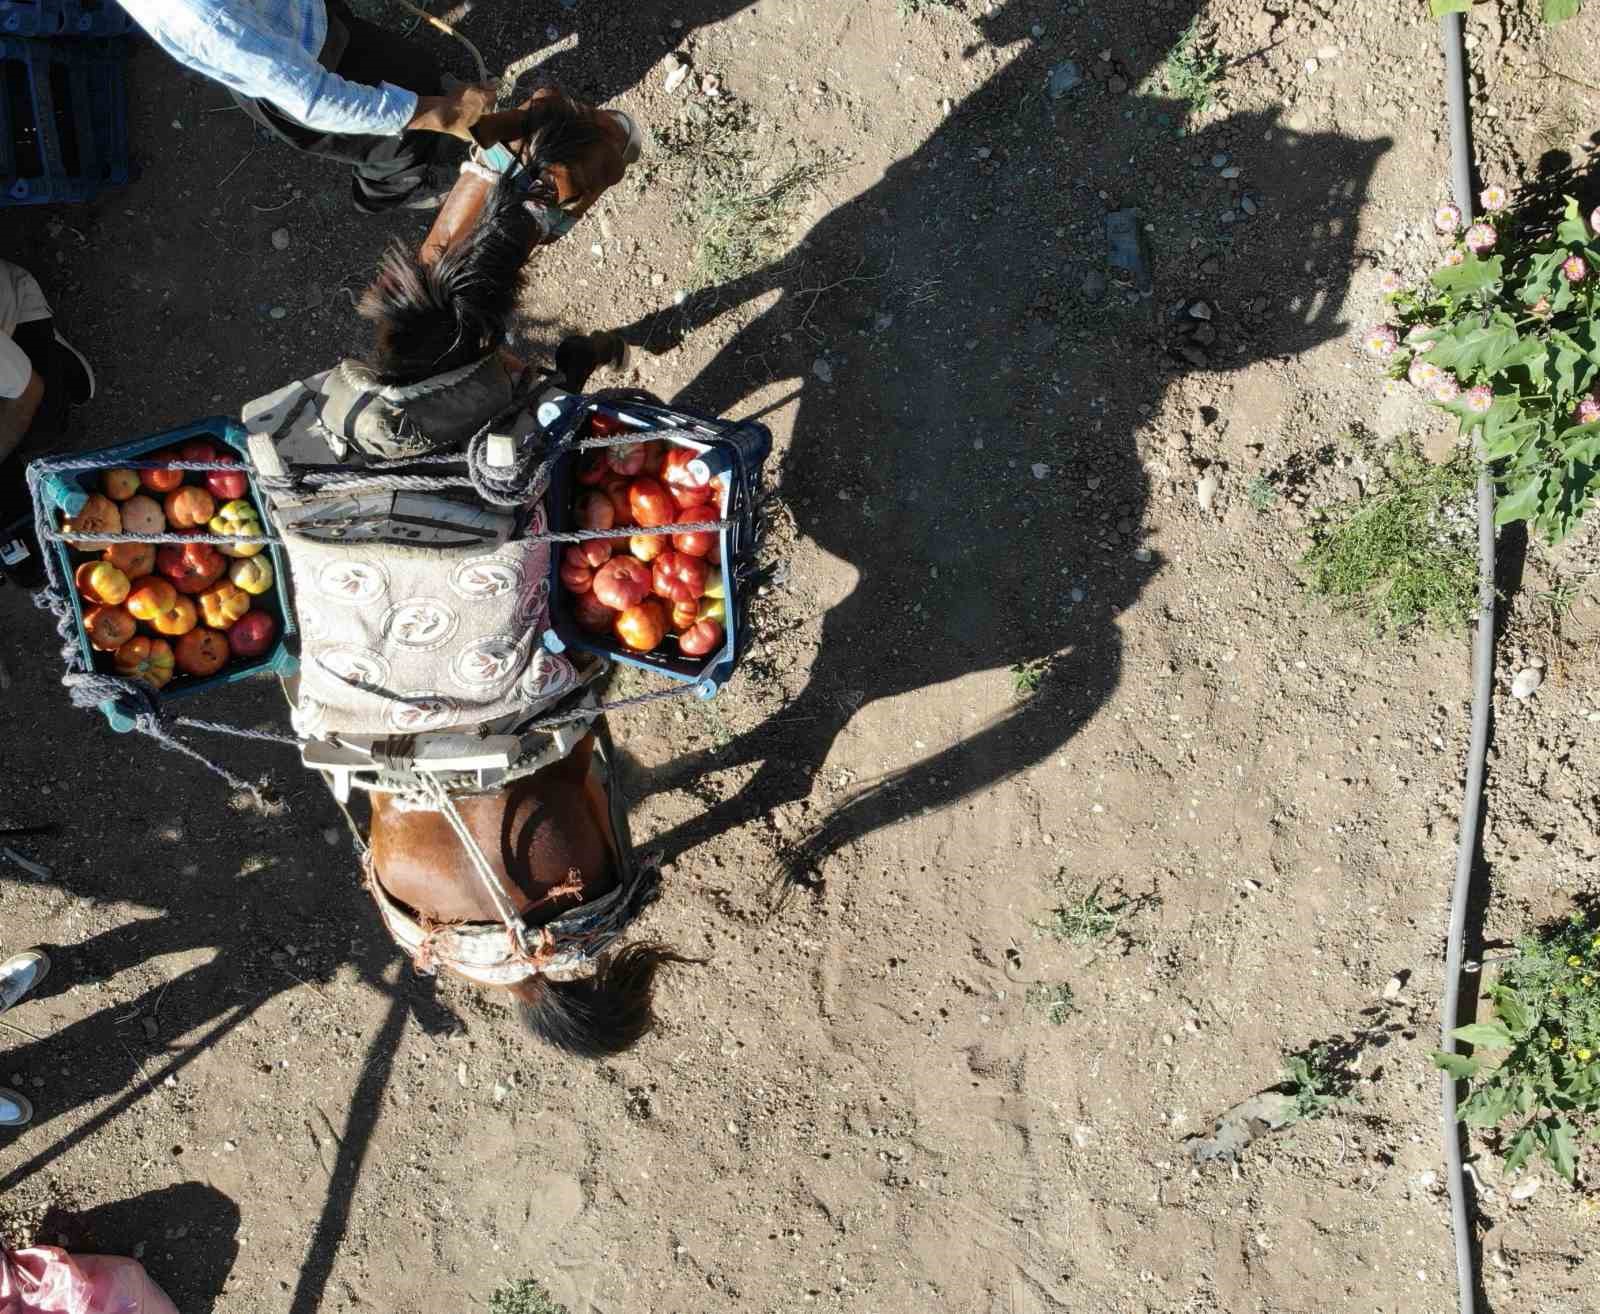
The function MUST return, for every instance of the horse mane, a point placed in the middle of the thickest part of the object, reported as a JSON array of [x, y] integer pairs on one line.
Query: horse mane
[[603, 1014], [433, 317]]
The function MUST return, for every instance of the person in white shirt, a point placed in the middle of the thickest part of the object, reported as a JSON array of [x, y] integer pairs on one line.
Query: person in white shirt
[[327, 83], [41, 374]]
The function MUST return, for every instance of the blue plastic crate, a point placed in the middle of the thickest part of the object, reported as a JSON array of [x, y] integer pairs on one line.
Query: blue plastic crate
[[63, 119], [65, 494], [83, 18], [735, 452]]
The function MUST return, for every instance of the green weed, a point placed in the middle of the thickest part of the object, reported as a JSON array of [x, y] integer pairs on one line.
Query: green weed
[[1026, 677], [1317, 1081], [524, 1296], [1261, 493], [1193, 70], [1405, 553], [1056, 1002], [1083, 918], [1544, 1093]]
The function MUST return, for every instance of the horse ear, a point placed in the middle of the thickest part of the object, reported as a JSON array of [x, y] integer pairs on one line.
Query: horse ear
[[604, 1014]]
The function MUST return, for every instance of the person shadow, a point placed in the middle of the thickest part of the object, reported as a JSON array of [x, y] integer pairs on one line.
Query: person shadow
[[186, 1235], [971, 388]]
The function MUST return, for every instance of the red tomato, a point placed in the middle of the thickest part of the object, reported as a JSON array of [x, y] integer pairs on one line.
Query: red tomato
[[616, 488], [650, 503], [627, 461], [700, 639], [594, 511], [594, 552], [197, 449], [607, 426], [701, 541], [715, 555], [655, 454], [675, 473], [643, 625], [678, 577], [576, 574], [593, 469], [621, 582], [592, 614], [162, 481], [685, 614], [647, 547]]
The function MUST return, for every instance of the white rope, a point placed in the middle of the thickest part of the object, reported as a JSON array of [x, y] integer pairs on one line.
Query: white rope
[[439, 795]]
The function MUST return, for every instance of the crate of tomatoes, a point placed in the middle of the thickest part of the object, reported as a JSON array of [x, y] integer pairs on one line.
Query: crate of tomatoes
[[179, 617], [669, 503]]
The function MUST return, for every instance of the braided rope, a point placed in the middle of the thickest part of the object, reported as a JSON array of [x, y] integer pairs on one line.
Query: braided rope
[[98, 540]]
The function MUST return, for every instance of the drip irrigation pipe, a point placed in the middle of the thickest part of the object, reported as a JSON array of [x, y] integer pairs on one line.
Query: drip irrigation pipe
[[1455, 77]]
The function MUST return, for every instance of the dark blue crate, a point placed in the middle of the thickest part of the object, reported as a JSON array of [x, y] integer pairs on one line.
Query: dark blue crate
[[63, 119], [64, 495], [81, 18], [735, 451], [93, 18]]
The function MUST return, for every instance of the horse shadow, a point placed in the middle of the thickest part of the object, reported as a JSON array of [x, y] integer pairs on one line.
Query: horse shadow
[[966, 428]]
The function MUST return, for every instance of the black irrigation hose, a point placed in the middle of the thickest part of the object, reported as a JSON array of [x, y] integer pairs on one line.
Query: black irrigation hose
[[1455, 77]]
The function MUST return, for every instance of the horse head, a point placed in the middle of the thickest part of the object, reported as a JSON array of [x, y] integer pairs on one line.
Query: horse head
[[449, 302]]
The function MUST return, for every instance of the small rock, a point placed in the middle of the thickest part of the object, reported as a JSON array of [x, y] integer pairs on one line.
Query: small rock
[[1205, 334], [1211, 266], [461, 1075], [1040, 470], [277, 312], [984, 152], [1038, 30], [149, 1025], [501, 1090], [1078, 595], [883, 322], [677, 69], [1527, 680], [711, 86], [658, 279], [1393, 987], [1525, 1190], [1205, 491], [1199, 310], [1232, 171], [1116, 86], [230, 1147], [822, 369], [1248, 204], [1141, 554], [1219, 161], [1063, 78], [1094, 285], [1311, 66], [330, 836], [280, 239], [1127, 247]]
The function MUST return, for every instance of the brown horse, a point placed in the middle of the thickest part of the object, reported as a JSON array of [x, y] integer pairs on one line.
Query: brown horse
[[551, 838]]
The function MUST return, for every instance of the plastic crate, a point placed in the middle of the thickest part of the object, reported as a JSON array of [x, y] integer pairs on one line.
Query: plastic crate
[[66, 492], [63, 119], [40, 18], [735, 452]]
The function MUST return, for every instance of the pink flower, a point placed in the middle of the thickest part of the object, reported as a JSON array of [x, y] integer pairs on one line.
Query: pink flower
[[1447, 219], [1390, 282], [1588, 409], [1454, 256], [1575, 268], [1423, 373], [1381, 341], [1540, 309], [1480, 238], [1594, 220], [1479, 399], [1445, 388], [1493, 197]]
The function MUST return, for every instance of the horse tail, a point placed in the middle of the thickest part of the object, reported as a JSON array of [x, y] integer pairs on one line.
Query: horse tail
[[603, 1014]]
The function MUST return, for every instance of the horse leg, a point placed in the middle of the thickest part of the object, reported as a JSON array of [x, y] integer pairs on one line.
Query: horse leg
[[582, 354]]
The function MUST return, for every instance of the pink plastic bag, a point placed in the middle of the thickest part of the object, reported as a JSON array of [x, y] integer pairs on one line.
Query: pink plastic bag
[[47, 1280]]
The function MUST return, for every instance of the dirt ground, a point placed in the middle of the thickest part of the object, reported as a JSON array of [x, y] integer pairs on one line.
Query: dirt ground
[[987, 458]]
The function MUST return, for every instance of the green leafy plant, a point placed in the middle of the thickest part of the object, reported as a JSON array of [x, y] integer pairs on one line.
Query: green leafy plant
[[1506, 337], [1544, 1093], [1192, 69], [1056, 1002], [1318, 1082], [1261, 493], [1554, 11], [1026, 677], [1083, 918], [1403, 553], [524, 1296]]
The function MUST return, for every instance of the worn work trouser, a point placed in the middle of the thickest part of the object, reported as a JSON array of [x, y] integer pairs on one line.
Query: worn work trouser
[[386, 169]]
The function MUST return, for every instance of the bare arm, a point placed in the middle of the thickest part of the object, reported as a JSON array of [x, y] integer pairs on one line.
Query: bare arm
[[456, 113], [16, 414]]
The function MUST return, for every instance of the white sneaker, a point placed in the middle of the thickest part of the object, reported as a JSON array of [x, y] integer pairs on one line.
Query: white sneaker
[[16, 1109], [19, 974]]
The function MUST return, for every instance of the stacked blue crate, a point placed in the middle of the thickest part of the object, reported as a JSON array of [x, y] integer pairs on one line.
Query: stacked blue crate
[[43, 18], [63, 117]]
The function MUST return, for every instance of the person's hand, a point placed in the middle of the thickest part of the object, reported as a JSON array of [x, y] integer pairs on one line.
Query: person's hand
[[455, 113]]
